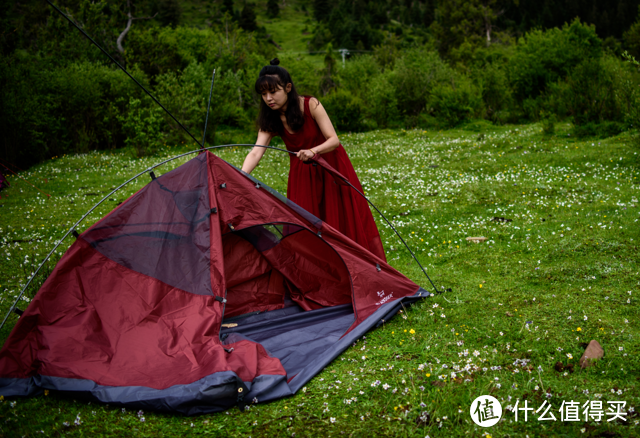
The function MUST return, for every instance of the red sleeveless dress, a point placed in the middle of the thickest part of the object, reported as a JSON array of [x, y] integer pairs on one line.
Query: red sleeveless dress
[[314, 189]]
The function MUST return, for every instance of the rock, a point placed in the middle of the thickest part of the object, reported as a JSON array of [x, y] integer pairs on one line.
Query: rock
[[593, 352], [477, 239]]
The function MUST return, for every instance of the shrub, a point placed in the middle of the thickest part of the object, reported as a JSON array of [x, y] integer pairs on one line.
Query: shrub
[[496, 93], [544, 57], [344, 109], [382, 104], [141, 125], [416, 74], [454, 102]]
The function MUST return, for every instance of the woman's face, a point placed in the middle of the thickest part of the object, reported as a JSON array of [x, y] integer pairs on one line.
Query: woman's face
[[277, 100]]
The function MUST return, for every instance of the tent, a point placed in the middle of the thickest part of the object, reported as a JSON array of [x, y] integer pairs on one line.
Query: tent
[[204, 290]]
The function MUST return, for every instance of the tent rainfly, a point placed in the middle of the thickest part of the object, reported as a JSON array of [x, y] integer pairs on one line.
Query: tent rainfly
[[204, 290]]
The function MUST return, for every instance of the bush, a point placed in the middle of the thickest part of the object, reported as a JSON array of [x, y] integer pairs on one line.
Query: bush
[[344, 109], [358, 74], [596, 91], [50, 110], [416, 74], [453, 103], [142, 127], [600, 130], [382, 104], [544, 57], [496, 93]]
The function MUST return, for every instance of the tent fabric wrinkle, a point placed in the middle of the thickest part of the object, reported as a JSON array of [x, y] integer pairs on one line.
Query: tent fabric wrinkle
[[133, 312]]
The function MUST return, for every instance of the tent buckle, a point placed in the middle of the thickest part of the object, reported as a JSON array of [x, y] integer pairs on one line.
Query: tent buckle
[[378, 267], [152, 175]]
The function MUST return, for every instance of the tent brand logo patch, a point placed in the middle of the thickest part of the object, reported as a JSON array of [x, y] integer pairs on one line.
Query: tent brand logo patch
[[384, 297], [485, 411]]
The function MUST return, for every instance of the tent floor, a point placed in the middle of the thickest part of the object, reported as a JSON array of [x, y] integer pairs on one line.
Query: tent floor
[[294, 336]]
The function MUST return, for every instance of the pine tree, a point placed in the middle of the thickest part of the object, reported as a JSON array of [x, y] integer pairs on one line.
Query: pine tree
[[169, 12], [227, 6], [272, 8], [321, 9], [247, 18]]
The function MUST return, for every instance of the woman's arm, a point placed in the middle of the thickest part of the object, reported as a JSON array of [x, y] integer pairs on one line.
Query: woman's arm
[[324, 123], [253, 157]]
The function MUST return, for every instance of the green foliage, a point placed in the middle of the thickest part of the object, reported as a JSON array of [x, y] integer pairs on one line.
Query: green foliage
[[544, 57], [496, 91], [141, 126], [346, 110], [167, 12], [548, 123], [600, 130], [303, 73], [415, 75], [273, 9], [388, 51], [184, 96], [455, 102], [357, 74], [50, 110], [632, 37], [460, 21], [247, 19], [382, 103], [59, 97]]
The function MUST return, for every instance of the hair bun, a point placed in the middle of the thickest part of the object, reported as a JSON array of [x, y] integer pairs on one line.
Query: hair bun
[[275, 61]]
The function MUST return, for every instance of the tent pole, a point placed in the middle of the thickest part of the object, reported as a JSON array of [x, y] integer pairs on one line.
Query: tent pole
[[399, 237], [206, 119]]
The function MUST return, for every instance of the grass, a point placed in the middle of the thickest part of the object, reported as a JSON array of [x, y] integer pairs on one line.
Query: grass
[[560, 269], [291, 30]]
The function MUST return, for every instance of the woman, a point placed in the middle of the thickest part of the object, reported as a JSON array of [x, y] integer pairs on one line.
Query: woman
[[305, 128]]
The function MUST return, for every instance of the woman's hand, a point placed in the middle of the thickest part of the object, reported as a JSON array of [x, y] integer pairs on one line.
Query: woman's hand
[[254, 157], [305, 154]]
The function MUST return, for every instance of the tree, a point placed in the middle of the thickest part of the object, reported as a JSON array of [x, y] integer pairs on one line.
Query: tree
[[168, 12], [632, 38], [227, 6], [272, 8], [247, 19], [458, 21], [321, 9]]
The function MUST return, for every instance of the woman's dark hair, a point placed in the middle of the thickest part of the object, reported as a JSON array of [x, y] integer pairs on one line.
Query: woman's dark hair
[[271, 78]]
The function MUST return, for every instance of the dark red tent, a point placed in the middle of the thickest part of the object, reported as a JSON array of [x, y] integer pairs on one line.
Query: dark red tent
[[203, 290]]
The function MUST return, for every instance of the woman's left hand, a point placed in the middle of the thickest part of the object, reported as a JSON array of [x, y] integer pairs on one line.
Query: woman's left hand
[[305, 154]]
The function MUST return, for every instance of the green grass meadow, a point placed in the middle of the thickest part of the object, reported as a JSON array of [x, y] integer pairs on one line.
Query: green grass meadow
[[559, 268]]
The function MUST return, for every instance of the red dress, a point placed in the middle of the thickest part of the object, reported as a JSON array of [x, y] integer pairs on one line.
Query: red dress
[[314, 189]]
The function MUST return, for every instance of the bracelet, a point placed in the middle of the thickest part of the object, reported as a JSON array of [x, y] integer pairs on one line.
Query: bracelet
[[314, 152]]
